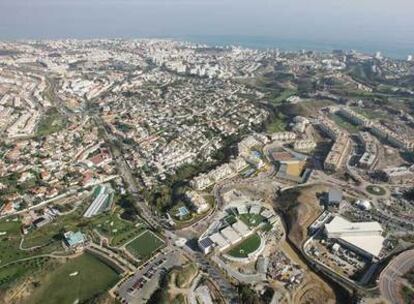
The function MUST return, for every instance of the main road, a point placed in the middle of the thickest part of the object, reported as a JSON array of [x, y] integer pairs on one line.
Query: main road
[[228, 290]]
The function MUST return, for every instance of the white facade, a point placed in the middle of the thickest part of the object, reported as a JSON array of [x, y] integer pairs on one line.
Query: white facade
[[365, 237]]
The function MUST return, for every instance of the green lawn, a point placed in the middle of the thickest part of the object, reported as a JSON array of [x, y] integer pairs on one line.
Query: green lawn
[[251, 220], [371, 113], [94, 277], [247, 246], [51, 122], [283, 96], [119, 231], [145, 245], [278, 124], [341, 122], [13, 272], [376, 190], [10, 241]]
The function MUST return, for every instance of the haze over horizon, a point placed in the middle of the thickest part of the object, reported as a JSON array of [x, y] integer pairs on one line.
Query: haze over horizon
[[369, 24]]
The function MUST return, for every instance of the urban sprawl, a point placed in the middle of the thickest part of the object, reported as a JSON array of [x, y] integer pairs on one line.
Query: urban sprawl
[[174, 172]]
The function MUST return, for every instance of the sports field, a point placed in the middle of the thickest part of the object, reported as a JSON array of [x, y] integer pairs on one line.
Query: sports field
[[247, 246], [76, 280], [144, 245], [251, 219]]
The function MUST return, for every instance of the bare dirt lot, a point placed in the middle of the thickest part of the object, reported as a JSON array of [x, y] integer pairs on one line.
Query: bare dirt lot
[[300, 207]]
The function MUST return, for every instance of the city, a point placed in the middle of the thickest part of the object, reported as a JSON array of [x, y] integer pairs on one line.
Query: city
[[163, 171]]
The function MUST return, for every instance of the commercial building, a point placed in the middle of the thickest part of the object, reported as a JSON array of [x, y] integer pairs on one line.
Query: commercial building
[[291, 166], [363, 237]]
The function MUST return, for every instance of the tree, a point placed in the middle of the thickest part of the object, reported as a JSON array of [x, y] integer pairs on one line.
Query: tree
[[409, 195], [247, 295]]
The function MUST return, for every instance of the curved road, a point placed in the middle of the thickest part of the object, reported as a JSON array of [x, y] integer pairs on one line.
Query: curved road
[[390, 278]]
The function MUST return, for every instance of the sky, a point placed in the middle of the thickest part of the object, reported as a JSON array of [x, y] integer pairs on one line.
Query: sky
[[350, 22]]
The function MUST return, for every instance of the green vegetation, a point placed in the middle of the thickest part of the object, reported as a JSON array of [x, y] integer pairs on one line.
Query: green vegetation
[[10, 241], [283, 96], [116, 229], [246, 247], [409, 194], [341, 122], [230, 219], [51, 122], [306, 108], [129, 211], [407, 294], [251, 220], [144, 246], [184, 275], [376, 190], [160, 296], [267, 227], [179, 299], [10, 274], [59, 287], [373, 114], [409, 275], [277, 124], [407, 156], [14, 185], [165, 197], [247, 295]]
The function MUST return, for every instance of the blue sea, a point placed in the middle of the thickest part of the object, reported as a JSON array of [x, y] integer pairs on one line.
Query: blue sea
[[395, 50]]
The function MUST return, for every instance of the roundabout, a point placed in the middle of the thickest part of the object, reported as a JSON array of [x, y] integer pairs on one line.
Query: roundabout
[[376, 190]]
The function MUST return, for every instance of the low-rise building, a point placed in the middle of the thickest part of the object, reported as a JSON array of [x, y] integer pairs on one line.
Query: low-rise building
[[75, 240], [198, 202], [363, 237]]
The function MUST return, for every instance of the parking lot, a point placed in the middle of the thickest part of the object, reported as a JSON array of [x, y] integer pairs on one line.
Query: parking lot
[[139, 287]]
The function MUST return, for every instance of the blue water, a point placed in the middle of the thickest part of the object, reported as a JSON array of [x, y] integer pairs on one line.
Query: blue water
[[399, 51]]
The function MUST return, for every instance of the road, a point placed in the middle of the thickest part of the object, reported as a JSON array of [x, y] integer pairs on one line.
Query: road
[[125, 171], [155, 222], [389, 282]]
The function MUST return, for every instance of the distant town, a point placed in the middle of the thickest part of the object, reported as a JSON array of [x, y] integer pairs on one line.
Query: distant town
[[161, 171]]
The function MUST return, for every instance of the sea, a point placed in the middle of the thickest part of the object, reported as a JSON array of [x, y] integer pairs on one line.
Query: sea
[[399, 50]]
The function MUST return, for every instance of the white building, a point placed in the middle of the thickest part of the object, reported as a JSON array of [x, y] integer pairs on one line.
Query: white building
[[201, 182], [364, 237], [198, 202], [304, 145], [283, 136]]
